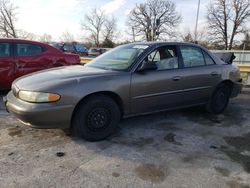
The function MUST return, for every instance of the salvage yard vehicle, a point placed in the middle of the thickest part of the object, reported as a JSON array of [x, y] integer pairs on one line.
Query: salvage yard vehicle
[[21, 57], [94, 52], [132, 79], [75, 48]]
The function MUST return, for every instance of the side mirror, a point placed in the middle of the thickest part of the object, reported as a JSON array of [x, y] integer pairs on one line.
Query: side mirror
[[147, 65]]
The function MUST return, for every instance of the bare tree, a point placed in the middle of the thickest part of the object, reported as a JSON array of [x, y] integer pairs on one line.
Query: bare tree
[[94, 23], [22, 34], [109, 30], [246, 42], [67, 37], [7, 19], [226, 19], [201, 37], [45, 38], [154, 18], [189, 35]]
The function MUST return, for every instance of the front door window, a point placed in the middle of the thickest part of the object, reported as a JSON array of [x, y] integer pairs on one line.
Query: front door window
[[4, 49], [165, 58]]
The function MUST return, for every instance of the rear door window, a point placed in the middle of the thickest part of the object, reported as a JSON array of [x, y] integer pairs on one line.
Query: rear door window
[[28, 50], [4, 49], [192, 56]]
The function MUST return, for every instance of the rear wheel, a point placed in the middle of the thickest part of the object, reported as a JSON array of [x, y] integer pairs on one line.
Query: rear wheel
[[219, 99], [96, 118]]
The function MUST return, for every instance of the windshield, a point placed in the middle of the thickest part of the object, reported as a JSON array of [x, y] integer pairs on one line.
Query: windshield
[[119, 58]]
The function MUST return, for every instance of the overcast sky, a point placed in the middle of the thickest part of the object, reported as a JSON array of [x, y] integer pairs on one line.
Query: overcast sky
[[57, 16]]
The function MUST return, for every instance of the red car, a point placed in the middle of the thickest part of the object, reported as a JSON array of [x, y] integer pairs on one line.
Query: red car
[[20, 57]]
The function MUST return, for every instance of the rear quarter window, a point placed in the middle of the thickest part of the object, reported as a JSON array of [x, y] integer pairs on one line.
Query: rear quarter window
[[208, 59]]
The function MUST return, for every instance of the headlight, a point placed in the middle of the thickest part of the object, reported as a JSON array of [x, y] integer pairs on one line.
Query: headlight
[[39, 97]]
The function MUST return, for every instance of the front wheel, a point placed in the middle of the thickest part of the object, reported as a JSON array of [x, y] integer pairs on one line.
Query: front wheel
[[219, 99], [96, 118]]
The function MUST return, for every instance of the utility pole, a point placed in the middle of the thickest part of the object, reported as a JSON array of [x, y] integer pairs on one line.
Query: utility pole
[[196, 24]]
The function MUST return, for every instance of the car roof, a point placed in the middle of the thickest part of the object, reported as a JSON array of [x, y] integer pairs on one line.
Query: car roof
[[154, 43], [161, 43], [30, 42], [18, 40]]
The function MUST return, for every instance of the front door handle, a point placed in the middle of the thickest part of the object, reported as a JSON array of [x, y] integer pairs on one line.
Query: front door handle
[[176, 78], [18, 65], [214, 73]]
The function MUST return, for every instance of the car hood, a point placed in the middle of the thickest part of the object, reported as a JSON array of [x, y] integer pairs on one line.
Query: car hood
[[50, 77]]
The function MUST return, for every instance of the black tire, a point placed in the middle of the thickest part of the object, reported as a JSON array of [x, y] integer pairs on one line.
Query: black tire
[[219, 99], [96, 118]]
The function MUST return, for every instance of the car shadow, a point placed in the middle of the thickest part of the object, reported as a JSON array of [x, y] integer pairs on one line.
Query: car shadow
[[190, 137]]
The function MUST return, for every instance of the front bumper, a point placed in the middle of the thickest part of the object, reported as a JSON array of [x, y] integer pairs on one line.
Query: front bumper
[[39, 115]]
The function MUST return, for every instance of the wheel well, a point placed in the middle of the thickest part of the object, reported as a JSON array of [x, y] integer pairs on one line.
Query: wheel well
[[229, 83], [112, 95]]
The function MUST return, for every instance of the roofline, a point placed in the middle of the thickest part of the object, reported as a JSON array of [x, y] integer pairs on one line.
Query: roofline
[[45, 45], [20, 40], [152, 43]]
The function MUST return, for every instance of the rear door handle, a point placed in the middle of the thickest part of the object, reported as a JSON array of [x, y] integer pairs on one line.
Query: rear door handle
[[176, 78], [214, 73]]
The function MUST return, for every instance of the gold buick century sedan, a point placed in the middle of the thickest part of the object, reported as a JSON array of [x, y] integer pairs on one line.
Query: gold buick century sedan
[[132, 79]]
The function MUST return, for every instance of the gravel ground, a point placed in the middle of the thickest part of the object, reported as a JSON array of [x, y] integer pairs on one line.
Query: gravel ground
[[185, 148]]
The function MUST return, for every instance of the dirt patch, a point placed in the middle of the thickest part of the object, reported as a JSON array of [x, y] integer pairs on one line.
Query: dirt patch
[[239, 158], [189, 159], [222, 171], [200, 116], [148, 140], [48, 133], [102, 145], [227, 119], [167, 125], [240, 144], [115, 174], [223, 147], [140, 142], [170, 137], [235, 184], [53, 132], [15, 131], [151, 172]]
